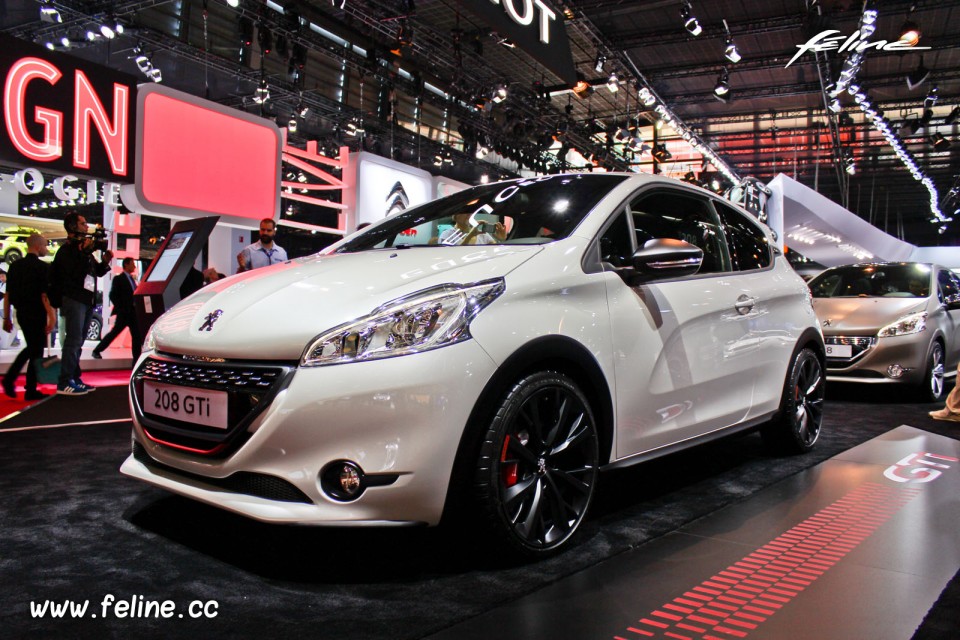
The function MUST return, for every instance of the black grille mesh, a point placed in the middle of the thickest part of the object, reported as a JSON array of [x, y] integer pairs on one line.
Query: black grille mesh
[[859, 345], [222, 377], [244, 482]]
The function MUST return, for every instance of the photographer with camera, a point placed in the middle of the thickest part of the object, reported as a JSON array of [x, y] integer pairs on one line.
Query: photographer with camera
[[73, 287]]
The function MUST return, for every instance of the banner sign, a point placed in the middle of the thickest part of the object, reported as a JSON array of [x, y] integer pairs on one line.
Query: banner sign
[[65, 115], [532, 25]]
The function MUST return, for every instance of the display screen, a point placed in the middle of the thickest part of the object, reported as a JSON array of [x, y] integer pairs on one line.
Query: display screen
[[164, 264]]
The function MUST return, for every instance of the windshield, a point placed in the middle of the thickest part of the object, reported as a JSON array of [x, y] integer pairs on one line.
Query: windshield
[[533, 211], [873, 281]]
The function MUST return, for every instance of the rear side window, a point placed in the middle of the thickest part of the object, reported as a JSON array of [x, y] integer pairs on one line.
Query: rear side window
[[667, 214], [948, 288], [746, 242]]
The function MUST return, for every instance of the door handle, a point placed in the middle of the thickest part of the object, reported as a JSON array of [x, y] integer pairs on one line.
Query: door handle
[[744, 304]]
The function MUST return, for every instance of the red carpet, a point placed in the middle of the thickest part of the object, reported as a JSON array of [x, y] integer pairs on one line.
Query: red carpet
[[105, 378]]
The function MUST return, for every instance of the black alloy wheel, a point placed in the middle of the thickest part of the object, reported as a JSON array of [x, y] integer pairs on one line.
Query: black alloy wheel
[[931, 390], [12, 256], [538, 465], [801, 410]]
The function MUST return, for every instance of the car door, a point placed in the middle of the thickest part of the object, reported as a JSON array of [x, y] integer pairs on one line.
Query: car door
[[776, 308], [682, 353]]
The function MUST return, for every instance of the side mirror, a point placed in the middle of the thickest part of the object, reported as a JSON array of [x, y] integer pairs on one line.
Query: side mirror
[[665, 258]]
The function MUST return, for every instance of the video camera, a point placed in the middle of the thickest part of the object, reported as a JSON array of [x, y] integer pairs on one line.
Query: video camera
[[99, 237]]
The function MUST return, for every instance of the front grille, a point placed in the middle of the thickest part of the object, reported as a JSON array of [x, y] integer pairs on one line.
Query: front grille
[[859, 347], [252, 484], [250, 388]]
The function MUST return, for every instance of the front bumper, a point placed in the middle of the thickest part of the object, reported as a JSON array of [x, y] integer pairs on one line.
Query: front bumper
[[402, 417], [872, 364]]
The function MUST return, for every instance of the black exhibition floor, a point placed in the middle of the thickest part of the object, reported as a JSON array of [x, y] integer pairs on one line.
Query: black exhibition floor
[[72, 528]]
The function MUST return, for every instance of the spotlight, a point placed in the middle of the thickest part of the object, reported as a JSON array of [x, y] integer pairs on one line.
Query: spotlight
[[613, 84], [732, 53], [91, 36], [246, 31], [635, 144], [292, 125], [647, 98], [262, 94], [65, 41], [723, 84], [107, 31], [303, 110], [233, 3], [661, 154], [939, 142], [601, 61], [850, 166], [918, 76], [835, 106], [50, 45], [49, 13], [910, 33], [499, 93], [690, 21], [582, 88], [155, 74]]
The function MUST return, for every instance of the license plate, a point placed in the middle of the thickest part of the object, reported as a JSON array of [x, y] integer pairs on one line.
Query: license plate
[[197, 406], [839, 351]]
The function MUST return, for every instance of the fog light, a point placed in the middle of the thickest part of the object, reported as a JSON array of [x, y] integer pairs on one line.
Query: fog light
[[342, 480], [895, 371]]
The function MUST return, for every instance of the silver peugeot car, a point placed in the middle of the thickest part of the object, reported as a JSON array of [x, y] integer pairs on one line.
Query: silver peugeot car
[[891, 322]]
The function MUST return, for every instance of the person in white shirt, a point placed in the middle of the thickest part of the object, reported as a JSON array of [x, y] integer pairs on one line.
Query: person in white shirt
[[264, 252]]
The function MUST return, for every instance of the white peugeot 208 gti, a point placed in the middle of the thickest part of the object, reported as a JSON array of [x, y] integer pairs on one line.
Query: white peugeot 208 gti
[[493, 351]]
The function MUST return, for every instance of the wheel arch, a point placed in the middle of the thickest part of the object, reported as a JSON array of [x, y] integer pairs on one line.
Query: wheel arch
[[556, 353]]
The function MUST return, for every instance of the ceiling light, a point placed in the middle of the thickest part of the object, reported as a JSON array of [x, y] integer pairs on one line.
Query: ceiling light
[[601, 61], [910, 33], [49, 13], [613, 84], [65, 41], [262, 94], [582, 88], [723, 84], [108, 31], [850, 166], [732, 53], [647, 98], [233, 3], [690, 21], [499, 93], [292, 125], [939, 142]]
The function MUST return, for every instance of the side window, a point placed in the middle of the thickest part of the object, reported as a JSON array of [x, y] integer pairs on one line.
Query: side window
[[616, 248], [746, 241], [668, 214], [948, 288]]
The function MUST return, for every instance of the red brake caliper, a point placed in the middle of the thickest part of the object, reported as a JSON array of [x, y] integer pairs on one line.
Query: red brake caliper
[[508, 470]]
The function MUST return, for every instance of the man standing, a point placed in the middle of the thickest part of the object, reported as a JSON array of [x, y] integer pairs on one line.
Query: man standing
[[73, 284], [262, 253], [121, 295], [27, 292]]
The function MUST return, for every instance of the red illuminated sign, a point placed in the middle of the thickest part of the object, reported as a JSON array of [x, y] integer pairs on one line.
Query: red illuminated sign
[[65, 114], [197, 157]]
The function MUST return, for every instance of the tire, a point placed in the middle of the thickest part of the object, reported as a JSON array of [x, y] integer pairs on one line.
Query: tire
[[931, 390], [537, 469], [94, 328], [797, 425], [12, 256]]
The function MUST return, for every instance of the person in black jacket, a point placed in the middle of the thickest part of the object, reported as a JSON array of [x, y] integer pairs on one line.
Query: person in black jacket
[[121, 295], [73, 285], [27, 293]]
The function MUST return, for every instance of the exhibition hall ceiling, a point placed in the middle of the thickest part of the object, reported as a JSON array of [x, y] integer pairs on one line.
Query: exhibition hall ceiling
[[418, 80]]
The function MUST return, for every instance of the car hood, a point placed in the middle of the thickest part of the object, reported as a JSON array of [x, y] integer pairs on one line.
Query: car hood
[[862, 316], [273, 312]]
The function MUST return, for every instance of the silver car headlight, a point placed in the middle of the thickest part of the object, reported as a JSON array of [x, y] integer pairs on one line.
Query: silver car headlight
[[426, 320], [913, 323], [149, 343]]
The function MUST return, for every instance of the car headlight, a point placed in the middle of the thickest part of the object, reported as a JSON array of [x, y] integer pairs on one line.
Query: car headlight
[[913, 323], [149, 343], [426, 320]]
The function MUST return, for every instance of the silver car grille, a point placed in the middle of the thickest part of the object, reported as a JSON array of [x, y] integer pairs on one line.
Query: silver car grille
[[859, 346]]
